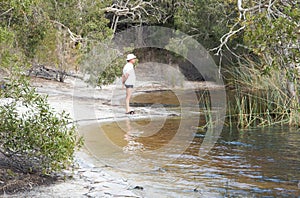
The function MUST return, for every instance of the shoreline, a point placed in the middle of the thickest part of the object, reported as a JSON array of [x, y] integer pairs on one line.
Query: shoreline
[[87, 178], [85, 105]]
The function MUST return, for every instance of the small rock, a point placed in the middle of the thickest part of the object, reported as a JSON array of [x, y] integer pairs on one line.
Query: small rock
[[138, 188]]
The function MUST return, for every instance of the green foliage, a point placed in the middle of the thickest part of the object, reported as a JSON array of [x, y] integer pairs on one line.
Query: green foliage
[[11, 56], [266, 68], [27, 23], [6, 38], [32, 136], [86, 19], [274, 39], [112, 71], [98, 63], [70, 32], [205, 19], [46, 53], [35, 26], [6, 43], [31, 37]]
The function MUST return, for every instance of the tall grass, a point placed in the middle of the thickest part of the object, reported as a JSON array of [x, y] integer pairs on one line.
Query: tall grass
[[207, 114], [259, 100]]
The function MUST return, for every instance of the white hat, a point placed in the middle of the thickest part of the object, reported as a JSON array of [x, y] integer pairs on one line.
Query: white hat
[[130, 56]]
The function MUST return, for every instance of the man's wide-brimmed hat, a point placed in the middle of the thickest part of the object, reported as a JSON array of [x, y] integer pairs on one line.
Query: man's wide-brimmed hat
[[130, 56]]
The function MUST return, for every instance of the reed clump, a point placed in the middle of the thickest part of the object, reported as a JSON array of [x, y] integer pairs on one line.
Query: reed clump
[[256, 100]]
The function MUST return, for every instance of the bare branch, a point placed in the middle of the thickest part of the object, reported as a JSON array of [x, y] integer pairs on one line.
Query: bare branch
[[7, 11], [225, 38], [128, 9], [241, 9], [134, 10], [73, 36]]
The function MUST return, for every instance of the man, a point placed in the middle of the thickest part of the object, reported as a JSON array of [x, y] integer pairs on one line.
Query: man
[[128, 79]]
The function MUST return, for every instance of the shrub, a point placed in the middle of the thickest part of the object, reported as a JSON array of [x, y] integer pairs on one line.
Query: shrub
[[33, 138]]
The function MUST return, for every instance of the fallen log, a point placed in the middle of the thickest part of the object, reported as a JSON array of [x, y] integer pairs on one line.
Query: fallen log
[[40, 71]]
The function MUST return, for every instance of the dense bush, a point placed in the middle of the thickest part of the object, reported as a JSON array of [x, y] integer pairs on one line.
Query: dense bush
[[32, 137]]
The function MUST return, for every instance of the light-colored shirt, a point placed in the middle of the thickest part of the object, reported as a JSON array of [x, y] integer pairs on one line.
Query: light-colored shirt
[[128, 69]]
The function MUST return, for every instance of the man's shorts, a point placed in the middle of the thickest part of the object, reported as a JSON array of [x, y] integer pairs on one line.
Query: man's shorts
[[128, 86]]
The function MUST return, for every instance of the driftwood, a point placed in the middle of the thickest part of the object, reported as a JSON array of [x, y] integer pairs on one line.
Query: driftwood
[[41, 71]]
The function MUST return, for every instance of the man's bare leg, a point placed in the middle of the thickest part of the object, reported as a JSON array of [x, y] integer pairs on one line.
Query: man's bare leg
[[128, 95]]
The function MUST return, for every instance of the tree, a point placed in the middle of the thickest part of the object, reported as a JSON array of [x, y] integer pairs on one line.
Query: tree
[[125, 14], [141, 12], [270, 30], [75, 26], [32, 137], [55, 33], [26, 21], [204, 19]]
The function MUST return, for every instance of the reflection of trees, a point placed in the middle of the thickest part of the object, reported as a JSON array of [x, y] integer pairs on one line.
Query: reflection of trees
[[131, 136]]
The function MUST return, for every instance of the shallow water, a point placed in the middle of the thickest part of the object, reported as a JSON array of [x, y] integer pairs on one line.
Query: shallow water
[[251, 163], [169, 156]]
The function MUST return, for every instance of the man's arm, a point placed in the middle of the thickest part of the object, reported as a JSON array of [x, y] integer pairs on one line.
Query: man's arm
[[124, 77]]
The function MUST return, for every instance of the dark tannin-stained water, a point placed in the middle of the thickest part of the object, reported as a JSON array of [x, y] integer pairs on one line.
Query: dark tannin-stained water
[[164, 156], [252, 163]]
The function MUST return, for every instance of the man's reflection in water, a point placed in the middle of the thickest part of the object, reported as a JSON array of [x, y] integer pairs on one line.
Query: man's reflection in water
[[131, 137]]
